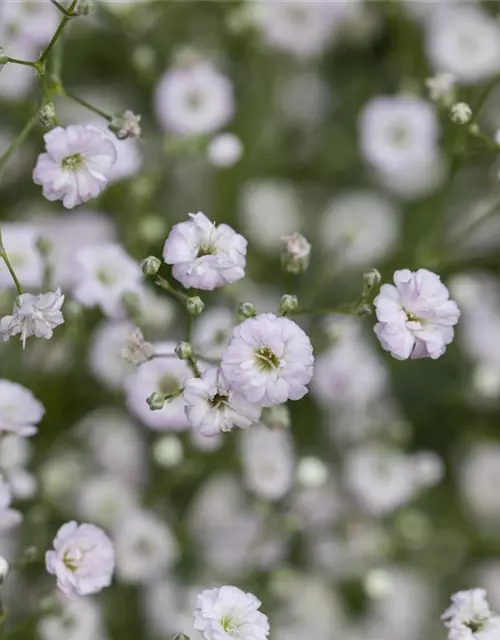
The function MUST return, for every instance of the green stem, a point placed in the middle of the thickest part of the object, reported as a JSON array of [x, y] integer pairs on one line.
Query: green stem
[[26, 63], [5, 258], [161, 282], [62, 9], [17, 142], [88, 106], [67, 17]]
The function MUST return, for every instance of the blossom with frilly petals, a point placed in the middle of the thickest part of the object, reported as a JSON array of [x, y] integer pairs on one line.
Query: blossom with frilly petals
[[205, 255], [212, 407], [227, 612], [76, 165], [470, 618], [33, 316], [416, 316], [83, 559], [268, 360], [20, 411]]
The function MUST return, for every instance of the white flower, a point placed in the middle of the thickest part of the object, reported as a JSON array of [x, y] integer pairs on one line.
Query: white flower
[[9, 518], [268, 360], [77, 619], [204, 255], [416, 317], [461, 113], [295, 255], [465, 41], [165, 374], [136, 349], [441, 87], [19, 240], [470, 617], [398, 132], [211, 332], [212, 407], [228, 612], [76, 165], [103, 275], [225, 150], [105, 500], [83, 559], [33, 316], [194, 100], [127, 126], [479, 478], [105, 358], [20, 411], [145, 547]]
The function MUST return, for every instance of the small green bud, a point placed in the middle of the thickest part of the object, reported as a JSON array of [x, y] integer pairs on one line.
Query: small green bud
[[151, 228], [364, 310], [246, 310], [44, 245], [184, 350], [150, 265], [180, 636], [47, 115], [474, 129], [195, 306], [288, 304], [3, 58], [156, 401], [372, 279]]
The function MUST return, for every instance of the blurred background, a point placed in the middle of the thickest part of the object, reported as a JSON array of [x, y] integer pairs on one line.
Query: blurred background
[[355, 512]]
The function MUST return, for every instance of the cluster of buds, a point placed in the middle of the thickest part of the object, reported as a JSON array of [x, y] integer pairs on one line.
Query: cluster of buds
[[126, 126], [461, 113]]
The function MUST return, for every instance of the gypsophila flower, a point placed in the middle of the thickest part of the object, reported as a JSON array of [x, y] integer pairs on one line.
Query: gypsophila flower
[[136, 349], [297, 251], [33, 316], [227, 612], [225, 150], [76, 165], [416, 316], [268, 360], [461, 113], [126, 126], [20, 411], [83, 559], [212, 407], [441, 87], [205, 255], [470, 617]]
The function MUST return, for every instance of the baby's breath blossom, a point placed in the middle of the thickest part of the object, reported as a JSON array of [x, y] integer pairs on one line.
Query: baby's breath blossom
[[297, 250], [212, 407], [136, 349], [416, 316], [225, 150], [33, 316], [76, 165], [227, 612], [126, 126], [83, 559], [461, 113], [268, 360], [205, 255], [470, 618], [20, 411]]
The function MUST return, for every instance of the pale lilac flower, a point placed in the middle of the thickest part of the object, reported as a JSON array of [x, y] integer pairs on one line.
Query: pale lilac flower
[[398, 132], [33, 316], [416, 316], [225, 150], [74, 619], [268, 360], [205, 255], [9, 518], [227, 612], [103, 275], [470, 617], [212, 407], [20, 411], [194, 99], [83, 559], [76, 165]]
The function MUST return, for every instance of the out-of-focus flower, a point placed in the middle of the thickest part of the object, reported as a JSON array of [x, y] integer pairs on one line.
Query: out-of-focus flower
[[464, 40], [83, 559], [165, 374], [9, 518], [479, 475], [441, 88], [212, 407], [268, 462], [104, 274], [77, 618], [225, 150], [211, 332], [470, 617], [20, 242], [194, 99], [268, 360], [20, 411], [126, 126], [145, 547], [105, 354], [461, 113], [76, 165], [136, 349], [33, 316], [397, 132], [296, 253], [105, 500], [228, 612], [205, 255], [416, 316]]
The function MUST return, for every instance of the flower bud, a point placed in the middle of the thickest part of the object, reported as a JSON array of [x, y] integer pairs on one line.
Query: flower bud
[[372, 279], [126, 126], [136, 349], [461, 113], [3, 58], [180, 636], [246, 310], [168, 452], [364, 310], [150, 265], [151, 228], [44, 245], [195, 306], [288, 304], [277, 417], [4, 569], [47, 115], [296, 253], [442, 88], [184, 350], [156, 401], [474, 129]]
